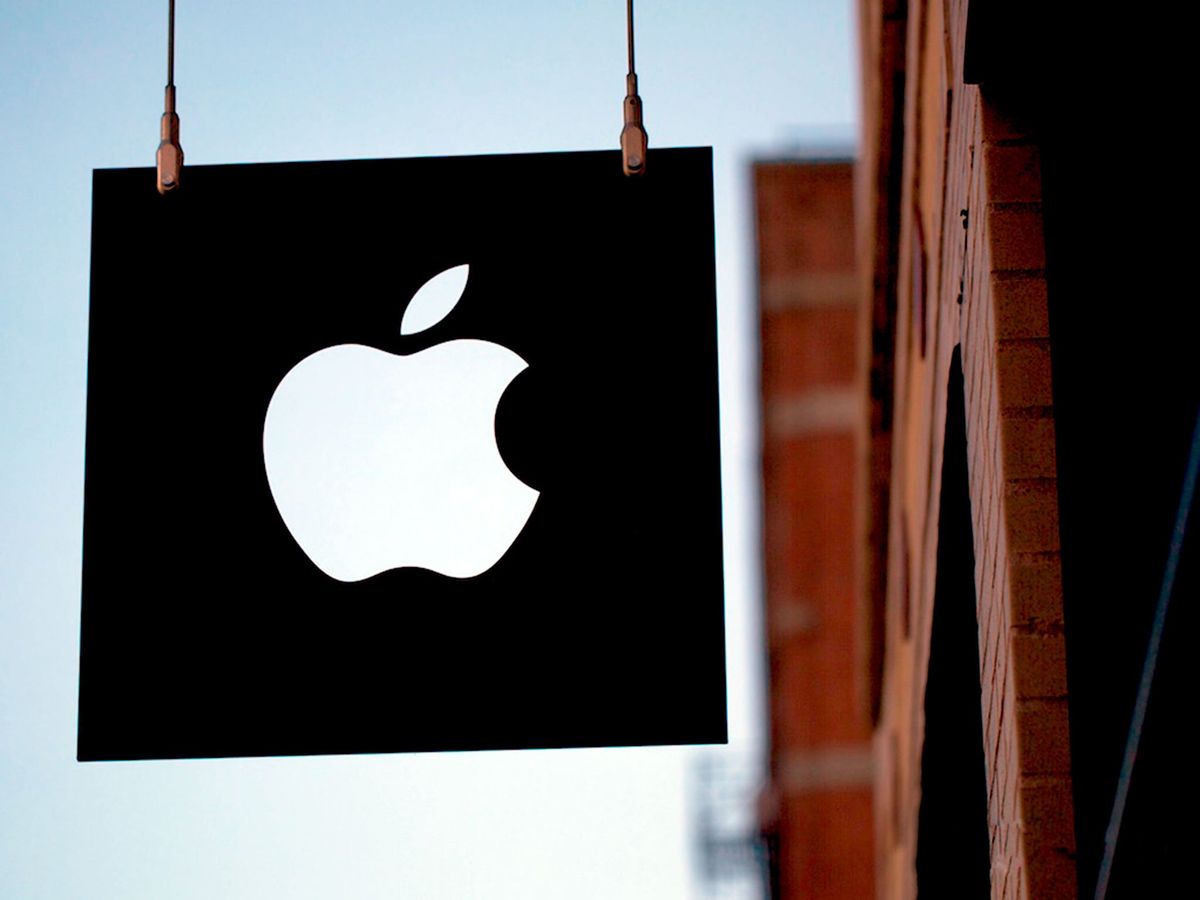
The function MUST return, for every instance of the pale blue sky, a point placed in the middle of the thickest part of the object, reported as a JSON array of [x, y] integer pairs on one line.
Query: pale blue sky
[[81, 88]]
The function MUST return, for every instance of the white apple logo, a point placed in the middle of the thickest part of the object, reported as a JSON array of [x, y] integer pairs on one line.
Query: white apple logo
[[378, 461]]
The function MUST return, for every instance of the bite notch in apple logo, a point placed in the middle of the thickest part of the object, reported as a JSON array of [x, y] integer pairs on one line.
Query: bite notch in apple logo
[[379, 461]]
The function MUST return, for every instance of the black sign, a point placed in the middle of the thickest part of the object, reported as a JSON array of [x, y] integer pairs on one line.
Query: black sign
[[402, 455]]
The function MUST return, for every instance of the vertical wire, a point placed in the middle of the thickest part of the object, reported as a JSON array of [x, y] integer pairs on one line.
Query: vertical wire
[[171, 43], [1186, 495], [628, 31]]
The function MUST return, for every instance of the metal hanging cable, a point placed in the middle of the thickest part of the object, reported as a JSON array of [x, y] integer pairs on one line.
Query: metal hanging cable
[[633, 135], [629, 34], [171, 43], [1140, 706], [169, 158]]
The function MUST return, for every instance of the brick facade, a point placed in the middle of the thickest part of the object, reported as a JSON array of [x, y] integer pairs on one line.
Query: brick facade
[[970, 272], [813, 444], [1024, 376]]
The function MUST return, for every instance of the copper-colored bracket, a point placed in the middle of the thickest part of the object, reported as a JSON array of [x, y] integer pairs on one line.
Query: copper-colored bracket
[[170, 154], [169, 158], [633, 135]]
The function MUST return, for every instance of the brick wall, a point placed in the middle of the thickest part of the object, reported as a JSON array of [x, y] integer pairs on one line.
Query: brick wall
[[813, 394], [970, 271]]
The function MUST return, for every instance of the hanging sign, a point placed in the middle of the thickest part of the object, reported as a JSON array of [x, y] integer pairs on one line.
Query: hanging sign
[[402, 455]]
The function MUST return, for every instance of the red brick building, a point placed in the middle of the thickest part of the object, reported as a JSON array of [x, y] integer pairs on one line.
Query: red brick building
[[814, 398], [972, 467]]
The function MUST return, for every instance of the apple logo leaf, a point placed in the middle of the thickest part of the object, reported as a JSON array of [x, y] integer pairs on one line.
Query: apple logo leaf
[[434, 300]]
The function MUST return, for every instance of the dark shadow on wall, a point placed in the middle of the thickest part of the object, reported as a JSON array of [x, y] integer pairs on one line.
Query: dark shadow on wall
[[952, 832], [1120, 241]]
